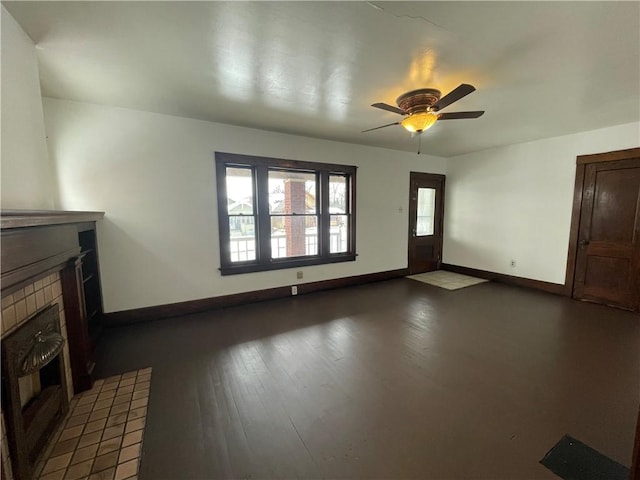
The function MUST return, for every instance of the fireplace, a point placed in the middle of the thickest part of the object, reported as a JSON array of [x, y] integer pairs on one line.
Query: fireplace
[[42, 293], [34, 394]]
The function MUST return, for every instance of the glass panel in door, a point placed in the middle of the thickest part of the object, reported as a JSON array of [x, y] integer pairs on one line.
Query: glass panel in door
[[425, 211]]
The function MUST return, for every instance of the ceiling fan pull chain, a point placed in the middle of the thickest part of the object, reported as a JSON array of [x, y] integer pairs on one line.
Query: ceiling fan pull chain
[[419, 143]]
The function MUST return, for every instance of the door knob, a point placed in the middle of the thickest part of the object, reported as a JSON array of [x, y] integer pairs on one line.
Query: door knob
[[584, 243]]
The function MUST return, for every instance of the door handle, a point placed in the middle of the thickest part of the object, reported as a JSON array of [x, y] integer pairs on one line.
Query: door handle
[[584, 243]]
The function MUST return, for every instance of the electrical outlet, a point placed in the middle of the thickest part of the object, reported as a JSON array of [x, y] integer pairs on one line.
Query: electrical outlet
[[294, 290], [513, 263], [299, 274]]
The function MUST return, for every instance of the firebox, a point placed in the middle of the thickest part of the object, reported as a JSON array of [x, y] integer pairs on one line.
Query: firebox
[[34, 393]]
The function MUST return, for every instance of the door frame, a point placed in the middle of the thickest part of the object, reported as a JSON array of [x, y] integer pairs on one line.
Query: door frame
[[438, 211], [581, 164]]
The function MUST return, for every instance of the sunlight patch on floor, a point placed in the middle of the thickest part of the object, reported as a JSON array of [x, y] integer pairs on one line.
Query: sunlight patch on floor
[[448, 280]]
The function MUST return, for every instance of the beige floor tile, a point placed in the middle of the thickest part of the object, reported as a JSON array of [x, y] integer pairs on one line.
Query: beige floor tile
[[77, 420], [114, 378], [126, 389], [90, 439], [79, 409], [57, 463], [140, 394], [137, 413], [134, 425], [131, 438], [85, 399], [142, 386], [120, 408], [64, 446], [113, 432], [127, 381], [118, 419], [127, 469], [104, 474], [110, 445], [71, 432], [59, 475], [106, 395], [141, 402], [125, 397], [99, 414], [95, 425], [81, 470], [129, 453], [105, 461], [102, 404], [85, 453], [109, 386]]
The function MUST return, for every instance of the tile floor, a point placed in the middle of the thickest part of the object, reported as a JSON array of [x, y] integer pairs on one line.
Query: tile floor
[[448, 280], [102, 435]]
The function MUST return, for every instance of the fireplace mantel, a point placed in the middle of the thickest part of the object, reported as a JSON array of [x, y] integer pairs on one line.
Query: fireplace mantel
[[38, 218], [39, 241]]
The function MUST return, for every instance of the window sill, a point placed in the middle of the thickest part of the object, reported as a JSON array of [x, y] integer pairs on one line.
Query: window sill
[[280, 264]]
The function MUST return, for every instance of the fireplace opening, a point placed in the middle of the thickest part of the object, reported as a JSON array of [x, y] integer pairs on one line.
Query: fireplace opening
[[51, 387], [34, 393]]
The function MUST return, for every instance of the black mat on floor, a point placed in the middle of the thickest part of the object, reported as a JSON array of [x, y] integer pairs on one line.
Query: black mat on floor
[[571, 459]]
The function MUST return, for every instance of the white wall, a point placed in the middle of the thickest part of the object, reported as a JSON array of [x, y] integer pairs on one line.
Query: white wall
[[515, 202], [154, 177], [27, 181]]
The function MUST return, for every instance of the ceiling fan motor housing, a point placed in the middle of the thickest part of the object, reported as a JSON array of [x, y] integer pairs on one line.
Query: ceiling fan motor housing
[[418, 100]]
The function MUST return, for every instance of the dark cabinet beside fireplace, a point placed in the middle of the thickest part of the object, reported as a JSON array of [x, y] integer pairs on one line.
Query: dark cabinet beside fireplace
[[91, 281], [83, 304]]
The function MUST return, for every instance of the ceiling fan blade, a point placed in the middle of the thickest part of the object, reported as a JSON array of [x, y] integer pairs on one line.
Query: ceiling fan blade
[[389, 108], [383, 126], [458, 115], [453, 96]]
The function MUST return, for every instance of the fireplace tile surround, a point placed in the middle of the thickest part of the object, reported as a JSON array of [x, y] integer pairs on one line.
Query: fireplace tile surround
[[17, 308]]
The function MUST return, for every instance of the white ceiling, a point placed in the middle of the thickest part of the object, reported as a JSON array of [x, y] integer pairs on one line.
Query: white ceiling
[[541, 69]]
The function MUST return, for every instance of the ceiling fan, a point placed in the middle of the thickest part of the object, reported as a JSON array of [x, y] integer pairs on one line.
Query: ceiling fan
[[420, 108]]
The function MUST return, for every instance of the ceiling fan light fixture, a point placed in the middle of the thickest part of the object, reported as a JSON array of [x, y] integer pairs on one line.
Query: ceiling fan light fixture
[[419, 121]]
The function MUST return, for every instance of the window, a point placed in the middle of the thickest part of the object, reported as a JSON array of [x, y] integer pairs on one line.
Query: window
[[275, 213]]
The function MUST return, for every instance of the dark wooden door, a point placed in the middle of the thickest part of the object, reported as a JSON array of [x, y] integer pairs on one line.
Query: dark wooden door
[[426, 212], [608, 256]]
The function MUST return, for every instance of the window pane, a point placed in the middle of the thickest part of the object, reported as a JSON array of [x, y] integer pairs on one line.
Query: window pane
[[294, 236], [337, 194], [239, 191], [242, 241], [292, 192], [338, 233], [426, 210]]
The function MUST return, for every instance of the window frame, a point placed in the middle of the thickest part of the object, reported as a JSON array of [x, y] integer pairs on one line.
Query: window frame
[[260, 167]]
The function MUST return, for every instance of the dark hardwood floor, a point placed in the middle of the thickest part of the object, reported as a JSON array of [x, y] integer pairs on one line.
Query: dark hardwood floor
[[395, 379]]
